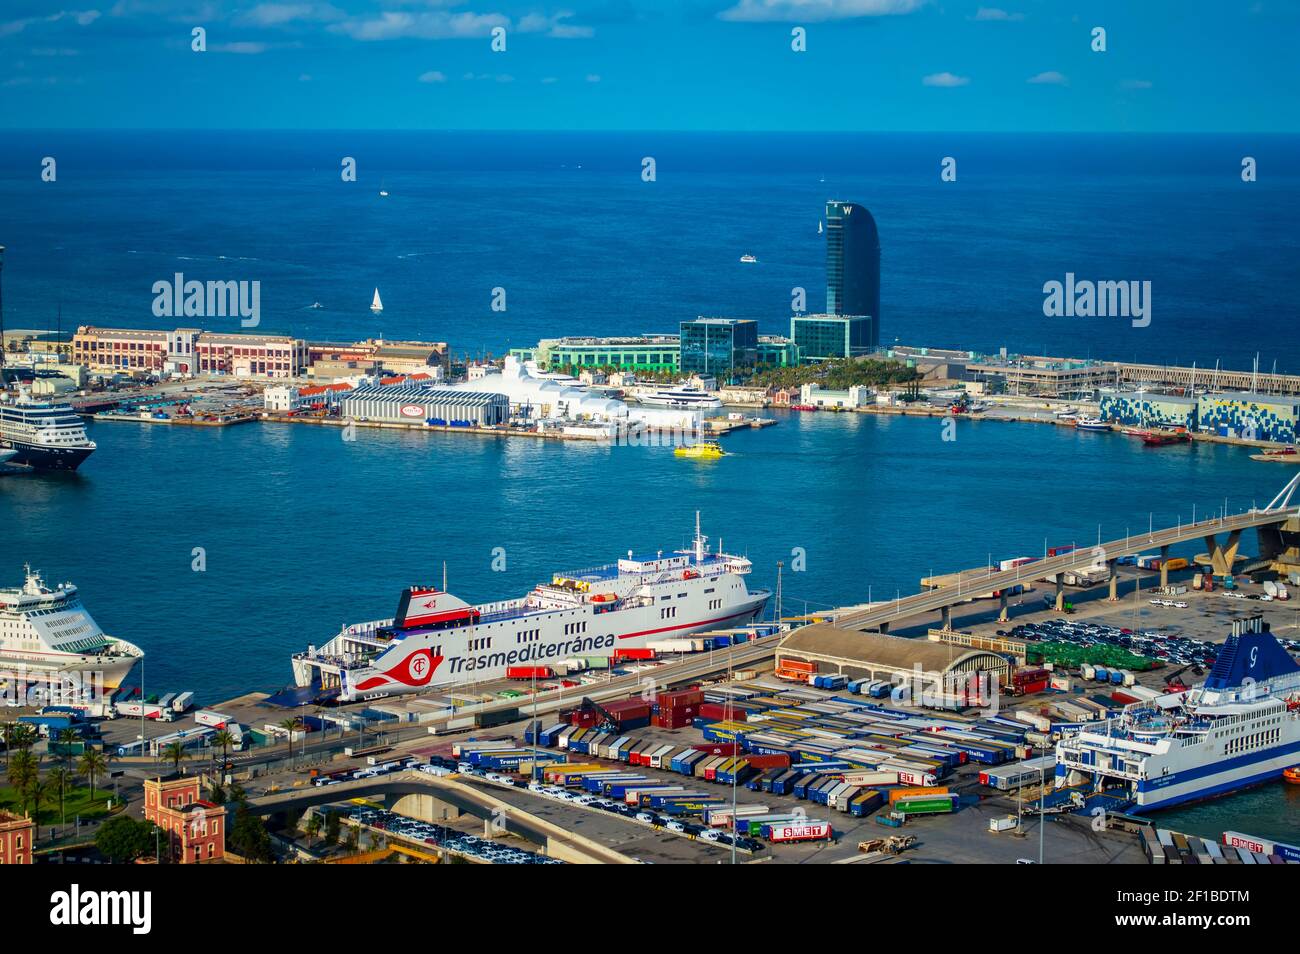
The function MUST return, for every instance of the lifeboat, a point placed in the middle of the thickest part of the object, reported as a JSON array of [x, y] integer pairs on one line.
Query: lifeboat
[[1292, 775], [604, 598], [690, 575]]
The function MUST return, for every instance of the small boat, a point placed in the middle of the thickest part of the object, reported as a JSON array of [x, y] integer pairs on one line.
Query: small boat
[[1282, 455], [819, 227], [1165, 438], [376, 306], [1068, 411], [704, 450], [748, 259], [316, 306], [803, 407], [1092, 424], [383, 194], [1292, 775]]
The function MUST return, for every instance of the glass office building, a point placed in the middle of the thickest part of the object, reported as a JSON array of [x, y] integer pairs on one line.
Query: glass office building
[[643, 353], [818, 337], [853, 264], [721, 347]]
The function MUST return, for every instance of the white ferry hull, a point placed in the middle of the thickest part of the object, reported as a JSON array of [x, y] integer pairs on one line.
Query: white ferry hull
[[1212, 781]]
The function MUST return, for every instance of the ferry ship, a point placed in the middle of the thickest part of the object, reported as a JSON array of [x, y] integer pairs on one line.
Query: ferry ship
[[682, 398], [1239, 728], [44, 435], [46, 635], [438, 640]]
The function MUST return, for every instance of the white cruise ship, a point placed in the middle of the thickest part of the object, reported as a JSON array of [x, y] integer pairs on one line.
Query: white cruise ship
[[46, 635], [1239, 728], [437, 640], [43, 435], [681, 398]]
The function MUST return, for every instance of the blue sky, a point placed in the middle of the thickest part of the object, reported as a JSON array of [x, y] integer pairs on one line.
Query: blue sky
[[983, 65]]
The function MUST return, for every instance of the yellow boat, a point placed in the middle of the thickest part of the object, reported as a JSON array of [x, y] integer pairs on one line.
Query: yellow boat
[[704, 450]]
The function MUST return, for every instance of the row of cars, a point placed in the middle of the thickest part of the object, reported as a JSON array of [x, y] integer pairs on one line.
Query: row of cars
[[654, 819], [434, 765], [1167, 647], [440, 836]]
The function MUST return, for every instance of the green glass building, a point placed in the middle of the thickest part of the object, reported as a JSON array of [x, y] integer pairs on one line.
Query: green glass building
[[726, 348], [817, 337]]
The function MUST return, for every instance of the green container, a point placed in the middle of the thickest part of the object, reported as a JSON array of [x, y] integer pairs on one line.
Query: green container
[[925, 806]]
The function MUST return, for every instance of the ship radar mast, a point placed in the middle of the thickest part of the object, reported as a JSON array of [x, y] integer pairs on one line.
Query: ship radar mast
[[700, 540]]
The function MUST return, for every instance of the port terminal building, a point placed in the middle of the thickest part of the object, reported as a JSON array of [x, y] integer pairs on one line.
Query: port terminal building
[[859, 655], [1246, 415], [414, 403]]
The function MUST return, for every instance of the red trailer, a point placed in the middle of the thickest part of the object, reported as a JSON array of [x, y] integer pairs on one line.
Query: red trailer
[[530, 672]]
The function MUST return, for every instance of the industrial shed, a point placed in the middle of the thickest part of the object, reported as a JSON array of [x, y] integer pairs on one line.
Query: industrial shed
[[877, 656], [421, 404]]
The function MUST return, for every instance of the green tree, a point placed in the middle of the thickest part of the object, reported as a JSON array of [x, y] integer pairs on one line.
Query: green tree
[[290, 726], [175, 753], [22, 770], [248, 836], [35, 794], [216, 794], [66, 739], [224, 739], [93, 765], [123, 839], [61, 780], [313, 826], [332, 829]]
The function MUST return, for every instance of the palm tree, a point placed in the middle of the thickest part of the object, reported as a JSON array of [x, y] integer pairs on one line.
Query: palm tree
[[23, 769], [175, 753], [21, 738], [61, 778], [34, 795], [93, 763], [67, 738], [313, 826], [224, 739], [7, 733]]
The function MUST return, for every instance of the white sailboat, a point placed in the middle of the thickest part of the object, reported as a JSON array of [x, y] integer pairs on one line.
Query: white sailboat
[[819, 227], [376, 306]]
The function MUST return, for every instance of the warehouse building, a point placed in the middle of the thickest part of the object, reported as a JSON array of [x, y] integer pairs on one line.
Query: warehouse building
[[1148, 409], [888, 658], [421, 404]]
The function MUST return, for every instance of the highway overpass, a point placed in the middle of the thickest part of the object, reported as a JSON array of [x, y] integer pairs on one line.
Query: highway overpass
[[1221, 536]]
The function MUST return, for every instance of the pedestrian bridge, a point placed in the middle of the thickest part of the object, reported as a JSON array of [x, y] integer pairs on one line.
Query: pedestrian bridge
[[1278, 525]]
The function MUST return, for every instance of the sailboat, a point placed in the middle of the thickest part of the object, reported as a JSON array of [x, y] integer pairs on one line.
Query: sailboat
[[376, 306], [383, 190], [819, 227]]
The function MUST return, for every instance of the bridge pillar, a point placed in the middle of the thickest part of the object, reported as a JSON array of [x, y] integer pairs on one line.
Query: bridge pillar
[[1164, 566], [424, 808], [1003, 616], [1114, 580], [1279, 543], [1060, 592], [945, 614], [884, 627], [1222, 557]]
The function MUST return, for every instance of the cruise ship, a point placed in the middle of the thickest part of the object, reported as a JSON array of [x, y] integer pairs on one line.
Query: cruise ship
[[1239, 728], [681, 398], [437, 640], [47, 636], [43, 435]]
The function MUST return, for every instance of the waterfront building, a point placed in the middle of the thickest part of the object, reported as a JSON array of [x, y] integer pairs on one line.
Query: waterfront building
[[722, 347], [1045, 376], [1148, 409], [853, 264], [16, 833], [777, 351], [1260, 417], [815, 395], [330, 369], [195, 828], [412, 402], [189, 351], [820, 337], [638, 353]]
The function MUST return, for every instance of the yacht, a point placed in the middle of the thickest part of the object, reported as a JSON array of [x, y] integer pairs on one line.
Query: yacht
[[681, 398], [43, 435]]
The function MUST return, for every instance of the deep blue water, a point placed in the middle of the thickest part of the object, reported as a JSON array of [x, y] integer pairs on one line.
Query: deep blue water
[[564, 223]]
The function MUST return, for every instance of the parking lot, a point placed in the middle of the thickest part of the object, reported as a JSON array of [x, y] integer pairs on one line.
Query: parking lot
[[483, 850]]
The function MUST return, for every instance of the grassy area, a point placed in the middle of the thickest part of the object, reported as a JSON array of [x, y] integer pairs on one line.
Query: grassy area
[[77, 802]]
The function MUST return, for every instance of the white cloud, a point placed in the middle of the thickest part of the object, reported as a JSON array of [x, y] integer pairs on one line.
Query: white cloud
[[433, 76], [945, 79], [498, 77], [994, 15], [242, 47], [277, 14], [80, 17], [436, 25], [1135, 84], [814, 10], [1049, 78], [554, 26]]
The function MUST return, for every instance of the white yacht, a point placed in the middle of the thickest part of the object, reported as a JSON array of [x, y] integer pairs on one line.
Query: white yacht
[[681, 398]]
